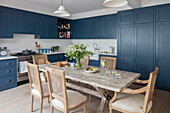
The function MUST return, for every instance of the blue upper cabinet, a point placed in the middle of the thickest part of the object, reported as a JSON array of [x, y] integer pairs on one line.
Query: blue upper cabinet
[[25, 22], [144, 15], [6, 22], [98, 27], [111, 26], [82, 29], [163, 13], [47, 27], [126, 17]]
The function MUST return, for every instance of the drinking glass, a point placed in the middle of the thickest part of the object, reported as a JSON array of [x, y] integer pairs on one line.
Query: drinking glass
[[103, 66], [118, 75]]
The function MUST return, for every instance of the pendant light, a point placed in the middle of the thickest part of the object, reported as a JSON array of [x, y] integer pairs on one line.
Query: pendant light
[[61, 11], [115, 3]]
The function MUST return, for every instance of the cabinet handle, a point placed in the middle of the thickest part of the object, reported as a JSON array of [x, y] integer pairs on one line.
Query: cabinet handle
[[8, 63], [8, 71], [8, 80]]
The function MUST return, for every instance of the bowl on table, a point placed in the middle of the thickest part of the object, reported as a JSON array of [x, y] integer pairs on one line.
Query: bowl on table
[[90, 70]]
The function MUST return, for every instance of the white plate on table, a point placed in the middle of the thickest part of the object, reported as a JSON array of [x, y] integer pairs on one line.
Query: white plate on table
[[90, 71]]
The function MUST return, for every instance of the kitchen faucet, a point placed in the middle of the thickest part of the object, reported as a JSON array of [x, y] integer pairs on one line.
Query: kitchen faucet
[[95, 47]]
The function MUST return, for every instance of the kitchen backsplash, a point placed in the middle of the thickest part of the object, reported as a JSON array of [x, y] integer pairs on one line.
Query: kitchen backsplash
[[103, 44], [22, 41]]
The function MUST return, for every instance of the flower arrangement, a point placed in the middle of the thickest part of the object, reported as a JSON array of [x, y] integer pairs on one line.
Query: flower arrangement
[[77, 51]]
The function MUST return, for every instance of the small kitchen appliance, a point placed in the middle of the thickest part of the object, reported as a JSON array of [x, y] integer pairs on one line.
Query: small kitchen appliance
[[3, 51], [111, 49]]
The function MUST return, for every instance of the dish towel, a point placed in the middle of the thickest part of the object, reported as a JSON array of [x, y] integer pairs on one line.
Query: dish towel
[[23, 67]]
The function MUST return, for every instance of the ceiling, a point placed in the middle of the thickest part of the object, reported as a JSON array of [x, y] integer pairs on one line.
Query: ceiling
[[75, 7]]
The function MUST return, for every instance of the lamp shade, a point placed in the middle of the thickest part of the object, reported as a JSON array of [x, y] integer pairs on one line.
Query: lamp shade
[[61, 12], [115, 3]]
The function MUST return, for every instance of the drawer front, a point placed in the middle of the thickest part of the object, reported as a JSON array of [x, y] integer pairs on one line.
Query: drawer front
[[8, 71], [8, 81], [8, 63]]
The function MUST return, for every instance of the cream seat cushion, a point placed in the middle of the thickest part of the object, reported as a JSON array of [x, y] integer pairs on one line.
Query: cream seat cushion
[[74, 99], [44, 88], [131, 103], [42, 77]]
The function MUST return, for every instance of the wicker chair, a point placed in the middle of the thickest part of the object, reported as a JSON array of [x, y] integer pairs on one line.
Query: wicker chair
[[132, 101], [38, 89], [110, 62], [39, 60], [61, 98]]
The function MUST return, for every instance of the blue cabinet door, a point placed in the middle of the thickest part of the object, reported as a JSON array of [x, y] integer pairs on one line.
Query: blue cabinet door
[[163, 54], [144, 15], [126, 17], [94, 63], [82, 29], [126, 45], [163, 13], [47, 27], [52, 28], [98, 27], [6, 22], [144, 49], [111, 26], [25, 22]]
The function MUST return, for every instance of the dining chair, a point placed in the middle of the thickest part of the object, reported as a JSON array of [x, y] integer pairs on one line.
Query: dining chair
[[132, 101], [39, 60], [85, 60], [62, 99], [110, 62], [38, 89]]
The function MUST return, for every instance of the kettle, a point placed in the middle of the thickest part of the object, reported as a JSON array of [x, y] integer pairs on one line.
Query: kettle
[[111, 49]]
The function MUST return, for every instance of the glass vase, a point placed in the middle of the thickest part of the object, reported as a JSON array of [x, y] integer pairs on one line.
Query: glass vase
[[78, 64]]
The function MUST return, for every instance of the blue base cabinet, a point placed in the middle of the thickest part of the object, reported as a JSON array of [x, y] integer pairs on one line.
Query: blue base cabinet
[[94, 63], [8, 69], [56, 57]]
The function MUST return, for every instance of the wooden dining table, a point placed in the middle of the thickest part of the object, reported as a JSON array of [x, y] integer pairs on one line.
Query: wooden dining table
[[102, 84]]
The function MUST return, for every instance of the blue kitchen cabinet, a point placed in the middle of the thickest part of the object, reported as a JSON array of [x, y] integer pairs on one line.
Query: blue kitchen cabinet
[[144, 49], [126, 17], [98, 27], [163, 13], [94, 63], [126, 47], [163, 54], [47, 28], [25, 22], [110, 26], [8, 74], [82, 29], [144, 15], [56, 57], [6, 22]]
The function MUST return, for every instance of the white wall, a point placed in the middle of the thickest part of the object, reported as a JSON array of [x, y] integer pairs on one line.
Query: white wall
[[21, 42], [154, 2]]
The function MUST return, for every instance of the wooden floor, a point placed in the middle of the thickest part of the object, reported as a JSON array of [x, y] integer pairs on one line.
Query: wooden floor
[[17, 100]]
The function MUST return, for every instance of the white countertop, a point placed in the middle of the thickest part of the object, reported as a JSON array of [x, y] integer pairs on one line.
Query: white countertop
[[112, 54], [7, 57], [52, 53]]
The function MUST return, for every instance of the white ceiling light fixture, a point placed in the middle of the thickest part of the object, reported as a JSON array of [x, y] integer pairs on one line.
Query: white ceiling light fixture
[[115, 3], [61, 11]]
